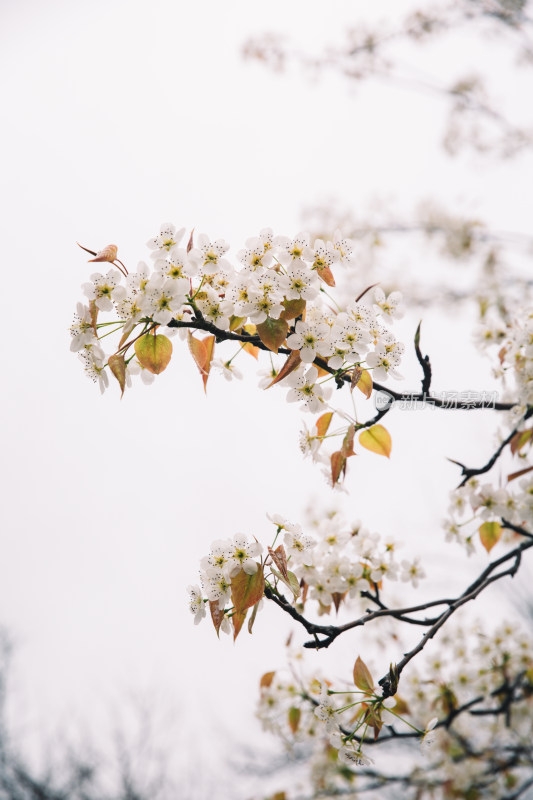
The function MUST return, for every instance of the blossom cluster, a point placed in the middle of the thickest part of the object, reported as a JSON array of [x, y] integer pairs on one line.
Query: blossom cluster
[[272, 280], [336, 566], [469, 664], [484, 509], [513, 340]]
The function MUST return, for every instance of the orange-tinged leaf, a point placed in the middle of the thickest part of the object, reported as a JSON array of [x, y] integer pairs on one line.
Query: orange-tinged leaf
[[321, 371], [323, 423], [250, 329], [489, 534], [190, 243], [338, 466], [247, 590], [251, 348], [109, 253], [347, 443], [293, 361], [377, 439], [518, 474], [294, 718], [236, 322], [326, 275], [362, 677], [237, 620], [266, 679], [153, 352], [365, 383], [272, 333], [117, 365], [293, 309], [279, 558], [520, 439], [217, 615], [354, 380], [202, 352]]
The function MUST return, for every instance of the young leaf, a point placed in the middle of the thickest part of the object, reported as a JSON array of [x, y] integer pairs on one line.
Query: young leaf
[[291, 581], [236, 322], [489, 534], [247, 590], [153, 352], [293, 361], [251, 348], [365, 384], [202, 351], [126, 330], [190, 243], [93, 310], [252, 618], [293, 309], [377, 439], [117, 365], [337, 598], [326, 275], [272, 333], [338, 465], [238, 621], [323, 423], [347, 443], [362, 677], [217, 615], [520, 439], [518, 474], [266, 680], [294, 718], [279, 558]]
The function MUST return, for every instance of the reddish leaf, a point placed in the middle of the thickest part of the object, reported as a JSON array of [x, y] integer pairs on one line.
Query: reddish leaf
[[266, 680], [202, 351], [238, 621], [362, 677], [338, 597], [518, 474], [365, 383], [489, 534], [323, 423], [520, 439], [217, 615], [377, 439], [293, 309], [356, 375], [326, 275], [272, 333], [117, 365], [347, 444], [190, 244], [294, 718], [154, 352], [338, 466], [247, 590], [364, 292], [279, 558], [293, 361]]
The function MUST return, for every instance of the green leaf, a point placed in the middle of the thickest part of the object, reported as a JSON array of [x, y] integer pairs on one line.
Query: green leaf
[[294, 718], [293, 309], [272, 333], [489, 534], [291, 581], [153, 352]]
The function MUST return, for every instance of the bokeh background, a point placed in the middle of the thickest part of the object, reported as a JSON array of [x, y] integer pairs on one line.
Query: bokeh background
[[118, 116]]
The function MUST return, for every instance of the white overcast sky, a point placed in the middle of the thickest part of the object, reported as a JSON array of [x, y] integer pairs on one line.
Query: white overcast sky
[[117, 116]]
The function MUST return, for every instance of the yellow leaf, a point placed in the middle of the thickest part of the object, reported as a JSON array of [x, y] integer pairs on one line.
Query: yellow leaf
[[365, 384], [236, 322], [323, 423], [294, 718], [489, 534], [153, 352], [377, 439], [251, 348], [266, 680]]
